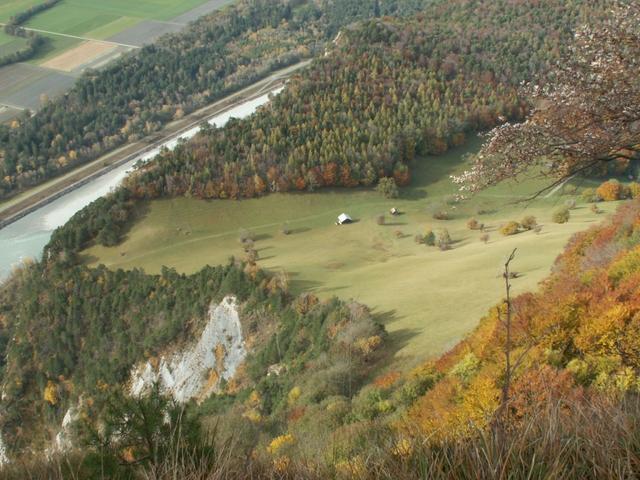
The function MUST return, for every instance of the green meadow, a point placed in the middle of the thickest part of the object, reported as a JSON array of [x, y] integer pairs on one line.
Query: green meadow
[[427, 298], [94, 19]]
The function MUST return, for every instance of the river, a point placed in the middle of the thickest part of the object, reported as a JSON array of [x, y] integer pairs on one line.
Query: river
[[27, 237]]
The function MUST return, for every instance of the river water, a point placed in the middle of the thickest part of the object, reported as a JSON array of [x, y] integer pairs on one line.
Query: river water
[[27, 237]]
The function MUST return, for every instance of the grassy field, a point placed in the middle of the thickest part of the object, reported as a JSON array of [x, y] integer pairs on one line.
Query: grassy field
[[427, 298], [94, 19], [9, 44]]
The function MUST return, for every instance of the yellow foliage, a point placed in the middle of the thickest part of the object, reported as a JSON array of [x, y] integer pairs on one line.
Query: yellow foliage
[[254, 399], [352, 468], [368, 345], [605, 333], [102, 385], [280, 442], [281, 464], [403, 447], [51, 393], [253, 415], [294, 395]]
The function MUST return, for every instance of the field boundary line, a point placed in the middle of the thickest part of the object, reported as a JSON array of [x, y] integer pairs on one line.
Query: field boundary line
[[77, 37]]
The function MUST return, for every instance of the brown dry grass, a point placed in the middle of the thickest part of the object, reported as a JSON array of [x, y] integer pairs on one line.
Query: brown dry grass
[[78, 56]]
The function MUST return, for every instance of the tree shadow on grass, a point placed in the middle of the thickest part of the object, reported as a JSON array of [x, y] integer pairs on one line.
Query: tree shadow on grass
[[397, 339]]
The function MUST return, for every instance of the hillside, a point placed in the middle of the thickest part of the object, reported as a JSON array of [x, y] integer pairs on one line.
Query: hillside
[[237, 371], [137, 94]]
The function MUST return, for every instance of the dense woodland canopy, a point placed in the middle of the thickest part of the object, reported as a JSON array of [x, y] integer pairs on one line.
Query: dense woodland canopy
[[372, 101], [67, 331], [391, 91], [136, 95]]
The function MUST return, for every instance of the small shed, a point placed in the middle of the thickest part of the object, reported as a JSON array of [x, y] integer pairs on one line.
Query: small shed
[[394, 211], [344, 218]]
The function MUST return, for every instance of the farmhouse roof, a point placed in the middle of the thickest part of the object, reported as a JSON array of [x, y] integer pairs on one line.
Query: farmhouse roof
[[344, 218]]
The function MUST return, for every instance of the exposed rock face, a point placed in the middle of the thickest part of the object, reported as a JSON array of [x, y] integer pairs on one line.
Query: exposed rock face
[[196, 372], [3, 452], [63, 440]]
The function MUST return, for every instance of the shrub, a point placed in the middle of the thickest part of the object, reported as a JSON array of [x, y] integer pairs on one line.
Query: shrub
[[570, 203], [418, 239], [387, 187], [444, 239], [537, 228], [595, 209], [589, 195], [380, 219], [429, 238], [510, 228], [610, 190], [285, 229], [245, 236], [634, 190], [441, 215], [529, 222], [484, 238], [473, 224], [561, 215]]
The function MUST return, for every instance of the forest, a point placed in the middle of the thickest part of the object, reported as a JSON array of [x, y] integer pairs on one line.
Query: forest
[[546, 386], [81, 339], [390, 93], [138, 94]]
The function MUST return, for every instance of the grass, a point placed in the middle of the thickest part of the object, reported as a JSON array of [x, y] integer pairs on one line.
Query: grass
[[427, 298], [9, 44], [95, 19]]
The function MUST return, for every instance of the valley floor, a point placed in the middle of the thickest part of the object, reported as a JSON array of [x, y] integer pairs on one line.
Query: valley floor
[[428, 299]]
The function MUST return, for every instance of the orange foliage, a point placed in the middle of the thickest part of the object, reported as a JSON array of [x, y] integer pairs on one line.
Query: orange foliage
[[610, 191], [579, 336], [386, 380]]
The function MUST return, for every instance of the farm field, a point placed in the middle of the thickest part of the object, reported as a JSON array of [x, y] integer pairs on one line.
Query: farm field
[[87, 34], [428, 299]]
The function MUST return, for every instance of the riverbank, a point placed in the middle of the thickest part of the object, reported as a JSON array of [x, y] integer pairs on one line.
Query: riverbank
[[37, 197]]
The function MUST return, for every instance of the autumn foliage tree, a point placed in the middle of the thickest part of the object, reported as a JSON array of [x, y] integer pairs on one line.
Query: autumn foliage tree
[[587, 116]]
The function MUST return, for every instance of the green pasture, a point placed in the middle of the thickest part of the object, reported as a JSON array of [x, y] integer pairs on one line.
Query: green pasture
[[95, 19], [428, 299], [9, 44]]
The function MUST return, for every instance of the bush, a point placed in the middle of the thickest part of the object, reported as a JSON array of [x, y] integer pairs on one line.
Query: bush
[[610, 190], [285, 229], [634, 190], [380, 220], [444, 239], [387, 187], [419, 239], [537, 228], [510, 228], [589, 195], [595, 209], [485, 238], [561, 215], [473, 224], [441, 215], [245, 236], [529, 222], [570, 203], [429, 238]]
